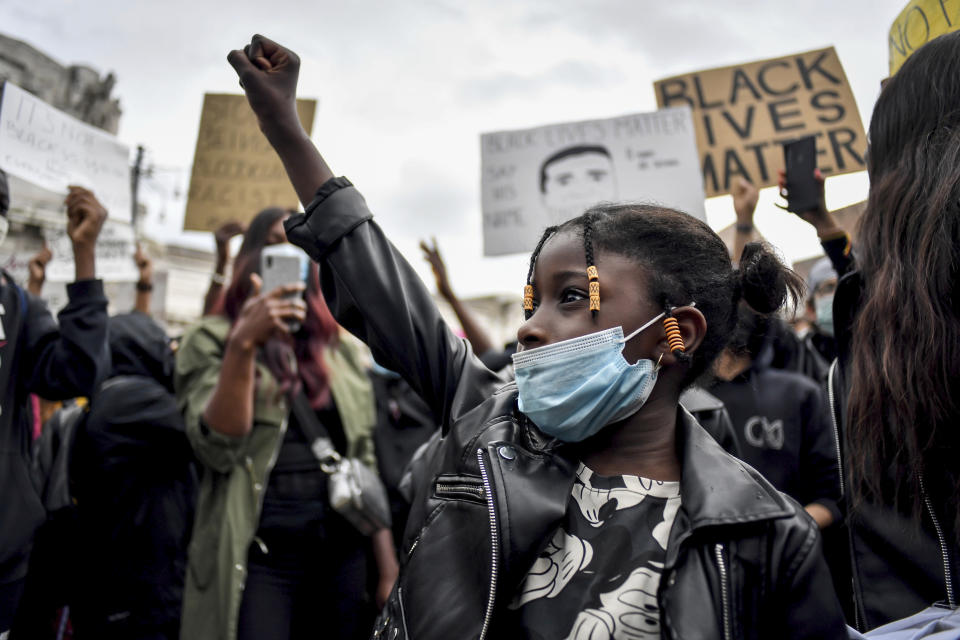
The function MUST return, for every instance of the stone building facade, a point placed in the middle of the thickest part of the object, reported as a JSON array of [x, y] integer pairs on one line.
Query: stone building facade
[[76, 89]]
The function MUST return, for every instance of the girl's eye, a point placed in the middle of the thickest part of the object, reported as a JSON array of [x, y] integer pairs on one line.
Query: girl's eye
[[572, 295]]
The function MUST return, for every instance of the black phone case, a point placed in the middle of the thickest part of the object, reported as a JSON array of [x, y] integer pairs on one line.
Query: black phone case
[[800, 157]]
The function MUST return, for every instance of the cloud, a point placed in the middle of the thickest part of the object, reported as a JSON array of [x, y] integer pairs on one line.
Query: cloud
[[569, 73]]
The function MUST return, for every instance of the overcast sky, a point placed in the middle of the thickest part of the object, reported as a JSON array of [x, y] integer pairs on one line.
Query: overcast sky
[[405, 88]]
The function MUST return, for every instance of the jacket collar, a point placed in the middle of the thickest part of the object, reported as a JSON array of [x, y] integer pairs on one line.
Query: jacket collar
[[717, 488]]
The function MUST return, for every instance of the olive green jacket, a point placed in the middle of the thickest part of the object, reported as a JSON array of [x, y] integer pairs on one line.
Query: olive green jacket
[[236, 470]]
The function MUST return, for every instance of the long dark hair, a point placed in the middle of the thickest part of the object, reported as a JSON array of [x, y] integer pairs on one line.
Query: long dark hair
[[905, 352], [296, 363], [686, 262]]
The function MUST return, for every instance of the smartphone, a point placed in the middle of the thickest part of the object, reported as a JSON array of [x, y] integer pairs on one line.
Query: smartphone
[[282, 264], [800, 158]]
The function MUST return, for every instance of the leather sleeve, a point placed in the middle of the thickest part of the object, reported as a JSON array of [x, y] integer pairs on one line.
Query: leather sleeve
[[808, 604], [819, 468], [376, 295], [69, 360]]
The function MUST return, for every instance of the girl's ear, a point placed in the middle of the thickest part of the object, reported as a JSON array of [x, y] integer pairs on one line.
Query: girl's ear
[[692, 326]]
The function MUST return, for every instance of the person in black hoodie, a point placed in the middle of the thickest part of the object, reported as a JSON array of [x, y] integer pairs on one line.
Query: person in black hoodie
[[56, 363], [780, 419]]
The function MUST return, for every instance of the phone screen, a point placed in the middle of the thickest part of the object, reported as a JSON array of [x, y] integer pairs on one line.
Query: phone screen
[[800, 157]]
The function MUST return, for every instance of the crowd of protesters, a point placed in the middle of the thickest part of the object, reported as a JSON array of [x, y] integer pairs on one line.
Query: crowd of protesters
[[658, 454]]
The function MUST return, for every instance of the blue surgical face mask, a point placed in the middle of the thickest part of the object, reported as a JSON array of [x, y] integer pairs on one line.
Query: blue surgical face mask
[[824, 308], [574, 388]]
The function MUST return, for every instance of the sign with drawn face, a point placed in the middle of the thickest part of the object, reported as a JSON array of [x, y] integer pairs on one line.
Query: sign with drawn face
[[535, 178], [744, 113]]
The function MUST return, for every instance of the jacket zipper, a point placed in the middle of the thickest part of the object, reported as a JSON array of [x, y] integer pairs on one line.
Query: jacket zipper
[[494, 546], [836, 428], [461, 488], [724, 591], [947, 574], [832, 400]]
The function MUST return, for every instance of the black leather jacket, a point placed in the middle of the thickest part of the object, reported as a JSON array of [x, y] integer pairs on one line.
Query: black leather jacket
[[743, 561]]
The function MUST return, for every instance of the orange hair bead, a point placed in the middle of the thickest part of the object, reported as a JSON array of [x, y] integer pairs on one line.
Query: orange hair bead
[[594, 276], [528, 298], [674, 339]]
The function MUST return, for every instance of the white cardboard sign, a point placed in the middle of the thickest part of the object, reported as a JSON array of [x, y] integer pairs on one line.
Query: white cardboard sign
[[114, 254], [535, 178], [47, 147]]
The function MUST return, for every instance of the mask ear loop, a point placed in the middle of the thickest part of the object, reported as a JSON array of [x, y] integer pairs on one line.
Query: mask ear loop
[[657, 366]]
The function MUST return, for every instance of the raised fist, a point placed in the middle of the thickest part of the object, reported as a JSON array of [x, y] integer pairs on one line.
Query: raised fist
[[85, 218], [268, 74]]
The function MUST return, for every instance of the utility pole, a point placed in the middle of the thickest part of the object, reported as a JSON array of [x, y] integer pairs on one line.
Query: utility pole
[[135, 184]]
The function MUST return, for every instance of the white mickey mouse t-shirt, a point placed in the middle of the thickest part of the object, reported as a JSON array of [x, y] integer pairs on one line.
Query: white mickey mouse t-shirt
[[598, 577]]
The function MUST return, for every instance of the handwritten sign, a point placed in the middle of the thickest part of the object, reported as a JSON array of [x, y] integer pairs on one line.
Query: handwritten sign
[[535, 178], [236, 172], [744, 113], [918, 23], [52, 150], [114, 254]]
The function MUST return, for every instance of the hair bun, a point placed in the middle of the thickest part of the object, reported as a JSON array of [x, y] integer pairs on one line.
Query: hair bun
[[765, 282]]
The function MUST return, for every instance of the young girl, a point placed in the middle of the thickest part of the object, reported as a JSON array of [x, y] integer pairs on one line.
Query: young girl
[[582, 501]]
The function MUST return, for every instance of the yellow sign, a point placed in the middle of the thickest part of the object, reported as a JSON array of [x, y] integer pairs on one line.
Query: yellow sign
[[236, 173], [744, 113], [918, 23]]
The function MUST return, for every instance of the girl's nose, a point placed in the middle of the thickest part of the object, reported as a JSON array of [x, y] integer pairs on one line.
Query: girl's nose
[[531, 334]]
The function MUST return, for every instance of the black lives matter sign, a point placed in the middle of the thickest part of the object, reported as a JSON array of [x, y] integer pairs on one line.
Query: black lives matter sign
[[744, 113]]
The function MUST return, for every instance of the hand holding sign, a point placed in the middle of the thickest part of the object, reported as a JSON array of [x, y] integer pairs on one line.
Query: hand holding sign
[[268, 74], [85, 218], [745, 197], [38, 270]]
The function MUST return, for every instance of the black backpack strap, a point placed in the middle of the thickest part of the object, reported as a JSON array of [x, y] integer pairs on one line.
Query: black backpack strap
[[316, 434]]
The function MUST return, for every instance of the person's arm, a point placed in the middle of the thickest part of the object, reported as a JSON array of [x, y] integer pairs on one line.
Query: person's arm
[[388, 568], [230, 408], [68, 360], [144, 282], [268, 74], [819, 470], [222, 235], [38, 271], [478, 338], [806, 602], [745, 196], [370, 288]]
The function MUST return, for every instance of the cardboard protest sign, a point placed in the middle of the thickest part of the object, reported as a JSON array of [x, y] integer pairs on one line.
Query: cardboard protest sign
[[535, 178], [52, 150], [236, 172], [114, 254], [745, 112], [918, 23]]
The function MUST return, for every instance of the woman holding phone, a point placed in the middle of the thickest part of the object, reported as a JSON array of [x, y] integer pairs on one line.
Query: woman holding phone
[[269, 556]]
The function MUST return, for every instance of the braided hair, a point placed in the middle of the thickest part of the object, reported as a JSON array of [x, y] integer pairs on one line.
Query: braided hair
[[528, 290], [684, 261]]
